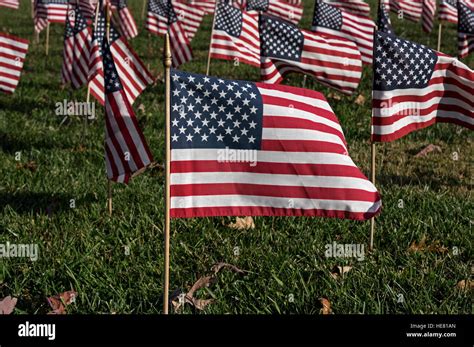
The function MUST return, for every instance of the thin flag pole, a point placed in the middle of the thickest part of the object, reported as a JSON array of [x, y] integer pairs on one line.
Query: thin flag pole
[[109, 183], [372, 174], [47, 39], [440, 29], [167, 66], [210, 41], [144, 9]]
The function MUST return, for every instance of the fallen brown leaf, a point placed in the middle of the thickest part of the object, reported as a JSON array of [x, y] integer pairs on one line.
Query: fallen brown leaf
[[334, 96], [31, 165], [242, 223], [339, 271], [219, 266], [422, 246], [7, 305], [428, 149], [360, 100], [326, 309], [141, 108], [465, 285], [59, 302]]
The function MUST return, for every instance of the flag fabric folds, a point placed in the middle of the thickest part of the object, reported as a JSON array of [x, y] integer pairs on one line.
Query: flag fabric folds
[[255, 149], [125, 21], [13, 4], [448, 11], [383, 20], [334, 61], [126, 150], [465, 29], [88, 8], [12, 57], [190, 16], [235, 35], [132, 72], [162, 19], [328, 19], [284, 9], [428, 15], [415, 86], [358, 7], [407, 9], [68, 50], [54, 11], [40, 15]]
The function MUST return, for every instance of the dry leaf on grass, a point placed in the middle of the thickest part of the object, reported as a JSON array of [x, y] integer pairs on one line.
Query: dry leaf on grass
[[428, 149], [334, 96], [59, 302], [242, 223], [7, 305], [339, 271], [141, 108], [31, 165], [465, 285], [326, 309], [435, 246], [360, 100], [202, 282]]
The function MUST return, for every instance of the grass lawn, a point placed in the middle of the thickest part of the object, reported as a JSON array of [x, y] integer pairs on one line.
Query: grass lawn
[[116, 264]]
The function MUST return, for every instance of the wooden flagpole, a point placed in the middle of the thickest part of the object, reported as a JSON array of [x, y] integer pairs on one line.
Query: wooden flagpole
[[47, 39], [440, 29], [210, 41], [144, 9], [372, 174], [167, 66], [109, 183]]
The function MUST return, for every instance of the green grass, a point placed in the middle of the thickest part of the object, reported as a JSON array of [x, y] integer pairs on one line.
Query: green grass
[[84, 249]]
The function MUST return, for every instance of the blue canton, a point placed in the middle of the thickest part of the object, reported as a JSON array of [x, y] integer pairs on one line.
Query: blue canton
[[257, 5], [327, 16], [163, 8], [280, 39], [229, 19], [466, 19], [111, 77]]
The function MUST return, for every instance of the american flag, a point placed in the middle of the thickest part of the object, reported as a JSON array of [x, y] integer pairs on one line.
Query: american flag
[[408, 9], [448, 11], [55, 11], [14, 4], [126, 150], [40, 15], [132, 72], [358, 7], [256, 149], [12, 56], [465, 30], [126, 23], [162, 19], [88, 8], [190, 17], [415, 86], [428, 15], [235, 35], [331, 20], [284, 9], [82, 50], [68, 49], [333, 61], [383, 20], [207, 6]]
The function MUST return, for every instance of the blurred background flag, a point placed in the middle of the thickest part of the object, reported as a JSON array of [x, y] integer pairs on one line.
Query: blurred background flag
[[448, 11], [383, 20], [358, 7], [415, 86], [288, 10], [13, 4], [407, 9], [12, 56], [465, 29], [428, 15], [331, 20], [254, 149], [334, 61], [125, 21]]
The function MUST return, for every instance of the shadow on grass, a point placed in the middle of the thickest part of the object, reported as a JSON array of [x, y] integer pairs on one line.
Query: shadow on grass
[[10, 143], [42, 203], [435, 183]]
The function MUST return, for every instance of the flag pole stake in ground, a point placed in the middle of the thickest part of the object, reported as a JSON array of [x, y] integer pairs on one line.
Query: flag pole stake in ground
[[439, 36], [109, 184], [210, 41], [372, 173], [167, 66], [47, 39], [144, 9]]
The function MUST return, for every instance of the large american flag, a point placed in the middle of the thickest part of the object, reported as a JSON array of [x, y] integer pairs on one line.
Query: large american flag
[[383, 20], [358, 7], [235, 35], [331, 20], [465, 29], [428, 15], [132, 72], [292, 12], [162, 19], [407, 9], [126, 150], [415, 86], [14, 4], [257, 149], [448, 11], [333, 61], [126, 22], [12, 56]]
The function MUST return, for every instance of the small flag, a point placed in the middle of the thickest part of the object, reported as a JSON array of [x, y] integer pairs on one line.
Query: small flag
[[132, 72], [235, 36], [126, 23], [358, 7], [465, 30], [448, 11], [68, 49], [291, 12], [383, 20], [12, 56], [415, 86], [254, 149], [13, 4], [334, 61], [190, 16], [126, 150], [40, 15], [331, 20], [407, 9], [428, 15], [162, 19], [88, 8], [82, 50]]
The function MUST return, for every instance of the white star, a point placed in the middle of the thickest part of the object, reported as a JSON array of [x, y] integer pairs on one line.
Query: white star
[[235, 138], [252, 124], [175, 122], [206, 80], [246, 102], [191, 107], [230, 101], [222, 94], [182, 130], [199, 86], [191, 79], [175, 137], [207, 93], [251, 139], [190, 122], [228, 130], [220, 137], [245, 116], [214, 86], [220, 123], [213, 115], [253, 109], [204, 137], [213, 101], [229, 115], [198, 114], [238, 94], [205, 122], [205, 108], [175, 77], [253, 95], [197, 130], [175, 107], [212, 130], [236, 124], [244, 131], [237, 109], [175, 92], [198, 100], [189, 137]]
